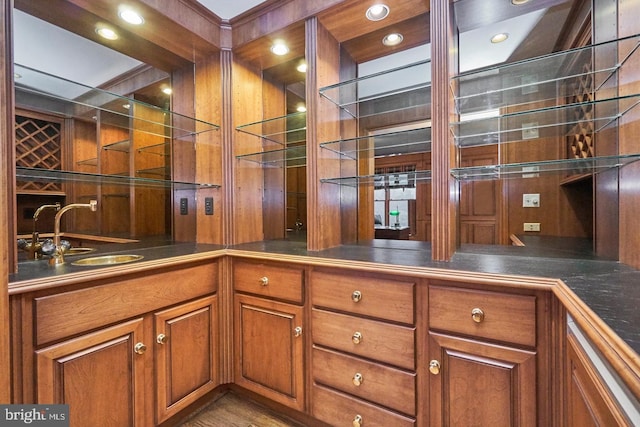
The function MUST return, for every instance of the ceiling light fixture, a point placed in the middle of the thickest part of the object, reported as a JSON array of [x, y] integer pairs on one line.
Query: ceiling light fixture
[[131, 16], [392, 39], [167, 91], [499, 38], [279, 48], [519, 2], [377, 12], [302, 67], [106, 33], [301, 108]]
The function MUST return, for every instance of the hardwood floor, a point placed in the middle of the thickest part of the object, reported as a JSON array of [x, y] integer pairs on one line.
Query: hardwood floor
[[232, 410]]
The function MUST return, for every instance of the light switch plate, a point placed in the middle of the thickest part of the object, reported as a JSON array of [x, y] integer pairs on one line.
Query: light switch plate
[[531, 200], [531, 226]]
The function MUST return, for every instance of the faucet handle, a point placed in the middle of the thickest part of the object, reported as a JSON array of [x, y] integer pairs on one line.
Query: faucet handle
[[93, 205]]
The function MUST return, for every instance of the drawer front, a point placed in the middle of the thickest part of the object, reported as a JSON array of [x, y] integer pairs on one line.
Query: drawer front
[[339, 409], [373, 339], [502, 317], [382, 298], [389, 387], [269, 280]]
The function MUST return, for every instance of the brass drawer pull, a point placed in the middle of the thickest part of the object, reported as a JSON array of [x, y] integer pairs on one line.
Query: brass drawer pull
[[434, 367], [356, 296], [358, 379], [477, 315], [161, 339], [140, 348], [358, 421], [356, 338], [264, 281]]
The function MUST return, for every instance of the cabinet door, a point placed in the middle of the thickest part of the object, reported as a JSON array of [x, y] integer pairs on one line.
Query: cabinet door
[[473, 383], [186, 354], [589, 403], [99, 375], [269, 349]]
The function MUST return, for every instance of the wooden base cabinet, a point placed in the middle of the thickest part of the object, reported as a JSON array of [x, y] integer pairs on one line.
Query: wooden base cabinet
[[269, 341]]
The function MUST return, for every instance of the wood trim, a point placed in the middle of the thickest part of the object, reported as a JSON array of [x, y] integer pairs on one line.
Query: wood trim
[[444, 193], [227, 159], [7, 188]]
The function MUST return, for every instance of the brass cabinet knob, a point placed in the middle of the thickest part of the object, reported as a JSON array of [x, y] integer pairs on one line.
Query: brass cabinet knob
[[140, 348], [477, 315], [161, 339], [434, 367], [356, 296], [297, 332], [358, 379], [358, 421], [264, 281], [356, 338]]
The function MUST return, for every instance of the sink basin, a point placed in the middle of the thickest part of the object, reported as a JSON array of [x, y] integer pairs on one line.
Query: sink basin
[[78, 251], [107, 260]]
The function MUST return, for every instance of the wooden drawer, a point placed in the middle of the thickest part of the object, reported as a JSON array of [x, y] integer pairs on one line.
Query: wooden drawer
[[389, 387], [339, 409], [506, 317], [109, 301], [269, 280], [382, 298], [384, 342]]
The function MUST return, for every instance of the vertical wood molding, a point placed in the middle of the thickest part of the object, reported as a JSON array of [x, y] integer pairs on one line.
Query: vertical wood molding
[[226, 127], [444, 192], [311, 85], [7, 153]]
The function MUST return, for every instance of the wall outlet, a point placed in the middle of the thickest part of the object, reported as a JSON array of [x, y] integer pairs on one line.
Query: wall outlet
[[184, 206], [531, 226], [531, 200], [208, 205]]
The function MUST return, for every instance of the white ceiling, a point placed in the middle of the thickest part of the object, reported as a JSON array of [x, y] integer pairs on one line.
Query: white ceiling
[[227, 9]]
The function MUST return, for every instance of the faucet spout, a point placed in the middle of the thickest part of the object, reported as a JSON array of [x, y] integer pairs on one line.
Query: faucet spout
[[58, 256]]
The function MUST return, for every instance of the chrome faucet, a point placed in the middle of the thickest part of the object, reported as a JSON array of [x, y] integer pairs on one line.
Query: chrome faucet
[[58, 255]]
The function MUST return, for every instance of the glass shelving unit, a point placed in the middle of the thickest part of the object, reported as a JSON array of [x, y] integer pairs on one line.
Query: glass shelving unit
[[567, 95]]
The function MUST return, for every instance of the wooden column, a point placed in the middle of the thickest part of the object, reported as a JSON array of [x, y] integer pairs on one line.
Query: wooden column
[[7, 154], [444, 193]]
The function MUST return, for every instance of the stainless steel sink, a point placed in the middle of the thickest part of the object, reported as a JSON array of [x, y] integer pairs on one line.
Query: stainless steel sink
[[78, 251], [107, 260]]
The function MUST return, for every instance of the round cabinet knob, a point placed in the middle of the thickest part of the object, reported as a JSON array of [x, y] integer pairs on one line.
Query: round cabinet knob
[[356, 338], [358, 379], [434, 367], [297, 332], [477, 315], [140, 348], [264, 281], [356, 296], [358, 421], [161, 339]]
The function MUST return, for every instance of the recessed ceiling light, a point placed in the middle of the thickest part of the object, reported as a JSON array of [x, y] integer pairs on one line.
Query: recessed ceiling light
[[126, 106], [301, 108], [392, 39], [519, 2], [17, 76], [106, 33], [377, 12], [131, 16], [302, 67], [279, 48], [499, 38], [167, 90]]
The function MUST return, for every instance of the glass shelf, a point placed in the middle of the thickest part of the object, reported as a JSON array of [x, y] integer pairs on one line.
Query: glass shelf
[[163, 171], [291, 156], [406, 87], [163, 149], [416, 140], [354, 181], [577, 167], [88, 162], [284, 130], [121, 146], [44, 92], [555, 121], [45, 175], [546, 78]]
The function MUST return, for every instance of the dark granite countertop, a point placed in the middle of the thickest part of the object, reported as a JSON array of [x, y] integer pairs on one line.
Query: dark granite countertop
[[609, 288]]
